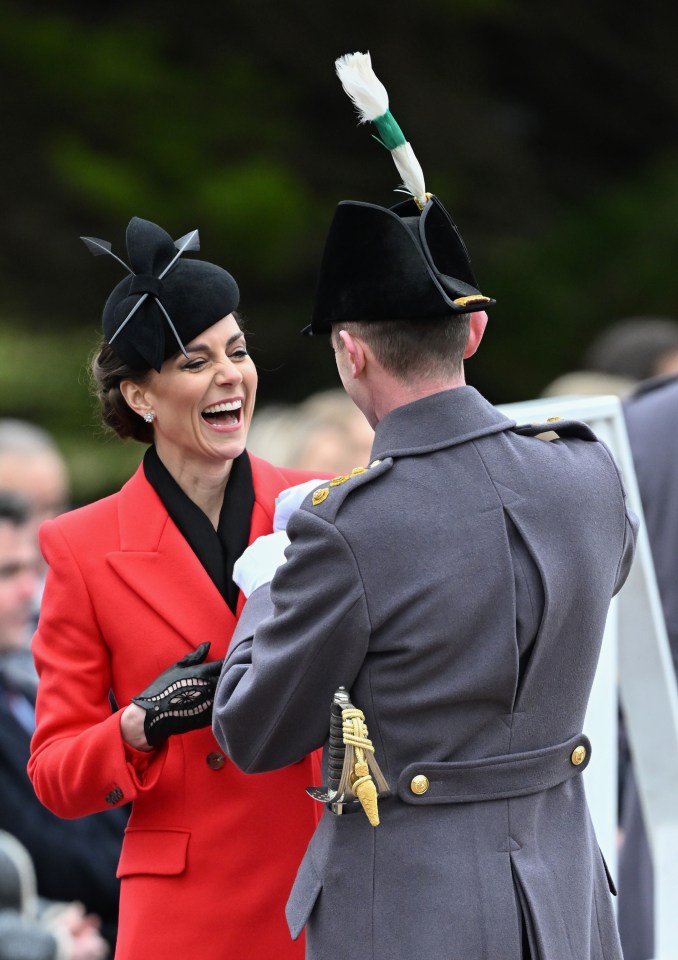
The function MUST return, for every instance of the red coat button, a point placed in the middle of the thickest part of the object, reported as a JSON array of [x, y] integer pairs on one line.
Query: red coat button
[[215, 760]]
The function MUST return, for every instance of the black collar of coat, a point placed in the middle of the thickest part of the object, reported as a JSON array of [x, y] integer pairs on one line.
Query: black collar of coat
[[217, 549]]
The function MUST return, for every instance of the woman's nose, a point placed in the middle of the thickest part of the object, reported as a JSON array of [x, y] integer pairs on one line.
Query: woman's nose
[[228, 372]]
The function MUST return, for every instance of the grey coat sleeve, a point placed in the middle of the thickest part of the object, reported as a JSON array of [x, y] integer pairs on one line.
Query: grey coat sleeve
[[631, 524], [628, 549], [294, 645]]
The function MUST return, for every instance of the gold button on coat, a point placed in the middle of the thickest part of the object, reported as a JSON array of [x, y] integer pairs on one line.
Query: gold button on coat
[[320, 495], [215, 760], [419, 784], [578, 755]]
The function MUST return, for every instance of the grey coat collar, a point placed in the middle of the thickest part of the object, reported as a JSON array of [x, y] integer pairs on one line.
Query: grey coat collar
[[441, 420]]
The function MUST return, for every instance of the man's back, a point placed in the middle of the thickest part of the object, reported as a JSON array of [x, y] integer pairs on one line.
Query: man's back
[[439, 529], [459, 589]]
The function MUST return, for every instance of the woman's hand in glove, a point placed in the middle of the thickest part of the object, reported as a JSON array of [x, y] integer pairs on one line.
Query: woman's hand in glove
[[180, 699]]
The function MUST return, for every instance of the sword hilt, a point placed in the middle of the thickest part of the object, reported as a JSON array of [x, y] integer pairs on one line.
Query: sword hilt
[[336, 750]]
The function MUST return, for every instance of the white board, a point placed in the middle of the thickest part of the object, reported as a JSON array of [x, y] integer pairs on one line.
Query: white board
[[635, 664]]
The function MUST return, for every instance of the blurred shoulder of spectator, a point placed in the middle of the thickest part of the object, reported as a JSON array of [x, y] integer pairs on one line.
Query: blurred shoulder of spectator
[[590, 384]]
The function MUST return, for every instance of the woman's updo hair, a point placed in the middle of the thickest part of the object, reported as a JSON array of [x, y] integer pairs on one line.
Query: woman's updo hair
[[107, 371]]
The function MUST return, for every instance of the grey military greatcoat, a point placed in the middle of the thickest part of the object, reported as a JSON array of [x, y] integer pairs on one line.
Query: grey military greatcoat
[[650, 419], [459, 589]]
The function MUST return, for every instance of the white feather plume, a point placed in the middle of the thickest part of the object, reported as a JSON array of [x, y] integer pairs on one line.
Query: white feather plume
[[362, 85], [371, 100], [410, 170]]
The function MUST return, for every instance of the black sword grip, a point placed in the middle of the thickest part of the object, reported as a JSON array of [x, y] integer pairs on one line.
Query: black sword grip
[[337, 749]]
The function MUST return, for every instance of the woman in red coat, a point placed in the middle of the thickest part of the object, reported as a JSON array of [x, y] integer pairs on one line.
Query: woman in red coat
[[137, 582]]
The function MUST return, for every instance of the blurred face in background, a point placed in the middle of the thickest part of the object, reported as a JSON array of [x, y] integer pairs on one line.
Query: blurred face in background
[[338, 447], [42, 480], [667, 364], [18, 584]]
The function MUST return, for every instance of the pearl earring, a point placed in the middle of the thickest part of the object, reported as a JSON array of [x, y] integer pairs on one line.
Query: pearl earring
[[149, 416]]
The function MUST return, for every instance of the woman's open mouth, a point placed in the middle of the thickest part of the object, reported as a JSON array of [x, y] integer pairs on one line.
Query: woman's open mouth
[[225, 414]]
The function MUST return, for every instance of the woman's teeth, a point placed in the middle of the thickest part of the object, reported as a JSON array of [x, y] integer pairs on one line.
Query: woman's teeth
[[226, 412]]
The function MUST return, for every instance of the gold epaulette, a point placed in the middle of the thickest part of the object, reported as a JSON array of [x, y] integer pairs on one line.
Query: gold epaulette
[[357, 476], [555, 428]]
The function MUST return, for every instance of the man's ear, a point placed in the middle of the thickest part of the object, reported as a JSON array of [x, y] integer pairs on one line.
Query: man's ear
[[134, 396], [477, 324], [355, 350]]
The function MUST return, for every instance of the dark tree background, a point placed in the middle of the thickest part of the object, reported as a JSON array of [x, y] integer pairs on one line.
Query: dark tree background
[[548, 131]]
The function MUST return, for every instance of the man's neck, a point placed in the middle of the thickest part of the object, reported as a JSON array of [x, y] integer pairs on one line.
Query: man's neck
[[391, 393]]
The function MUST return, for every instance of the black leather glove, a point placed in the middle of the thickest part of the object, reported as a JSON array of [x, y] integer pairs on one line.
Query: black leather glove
[[180, 698]]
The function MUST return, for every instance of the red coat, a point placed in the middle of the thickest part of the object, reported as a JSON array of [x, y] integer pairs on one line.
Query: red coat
[[209, 854]]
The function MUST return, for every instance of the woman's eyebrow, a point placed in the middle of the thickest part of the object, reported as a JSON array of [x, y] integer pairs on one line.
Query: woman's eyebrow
[[194, 348]]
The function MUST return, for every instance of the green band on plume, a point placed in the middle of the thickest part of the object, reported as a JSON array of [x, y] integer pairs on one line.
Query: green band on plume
[[390, 133]]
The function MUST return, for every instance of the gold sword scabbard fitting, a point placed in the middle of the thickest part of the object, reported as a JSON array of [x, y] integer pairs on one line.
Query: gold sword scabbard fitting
[[360, 764]]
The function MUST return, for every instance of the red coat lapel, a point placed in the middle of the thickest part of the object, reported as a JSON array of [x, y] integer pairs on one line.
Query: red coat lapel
[[156, 563]]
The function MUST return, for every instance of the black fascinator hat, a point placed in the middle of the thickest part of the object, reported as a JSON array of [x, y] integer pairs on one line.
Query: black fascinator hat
[[166, 300], [405, 262]]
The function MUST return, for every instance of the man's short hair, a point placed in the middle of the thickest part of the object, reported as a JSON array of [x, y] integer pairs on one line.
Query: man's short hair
[[423, 348]]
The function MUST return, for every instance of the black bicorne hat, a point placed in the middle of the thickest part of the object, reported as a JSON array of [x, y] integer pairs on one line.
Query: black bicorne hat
[[167, 300], [406, 262], [393, 263]]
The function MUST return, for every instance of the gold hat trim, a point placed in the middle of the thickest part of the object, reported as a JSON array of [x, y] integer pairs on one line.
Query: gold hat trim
[[476, 298]]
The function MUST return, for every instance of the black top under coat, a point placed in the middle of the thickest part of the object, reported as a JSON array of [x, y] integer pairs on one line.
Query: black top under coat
[[217, 550]]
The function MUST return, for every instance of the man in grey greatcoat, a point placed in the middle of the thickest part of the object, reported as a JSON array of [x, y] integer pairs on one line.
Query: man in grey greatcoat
[[650, 414], [458, 588]]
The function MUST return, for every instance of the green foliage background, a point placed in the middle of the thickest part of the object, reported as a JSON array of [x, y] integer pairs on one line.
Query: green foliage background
[[548, 131]]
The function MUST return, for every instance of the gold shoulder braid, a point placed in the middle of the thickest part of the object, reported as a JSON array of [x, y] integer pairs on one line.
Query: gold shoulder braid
[[352, 766]]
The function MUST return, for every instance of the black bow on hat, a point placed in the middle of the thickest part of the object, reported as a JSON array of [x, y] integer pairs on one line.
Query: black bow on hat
[[166, 301]]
